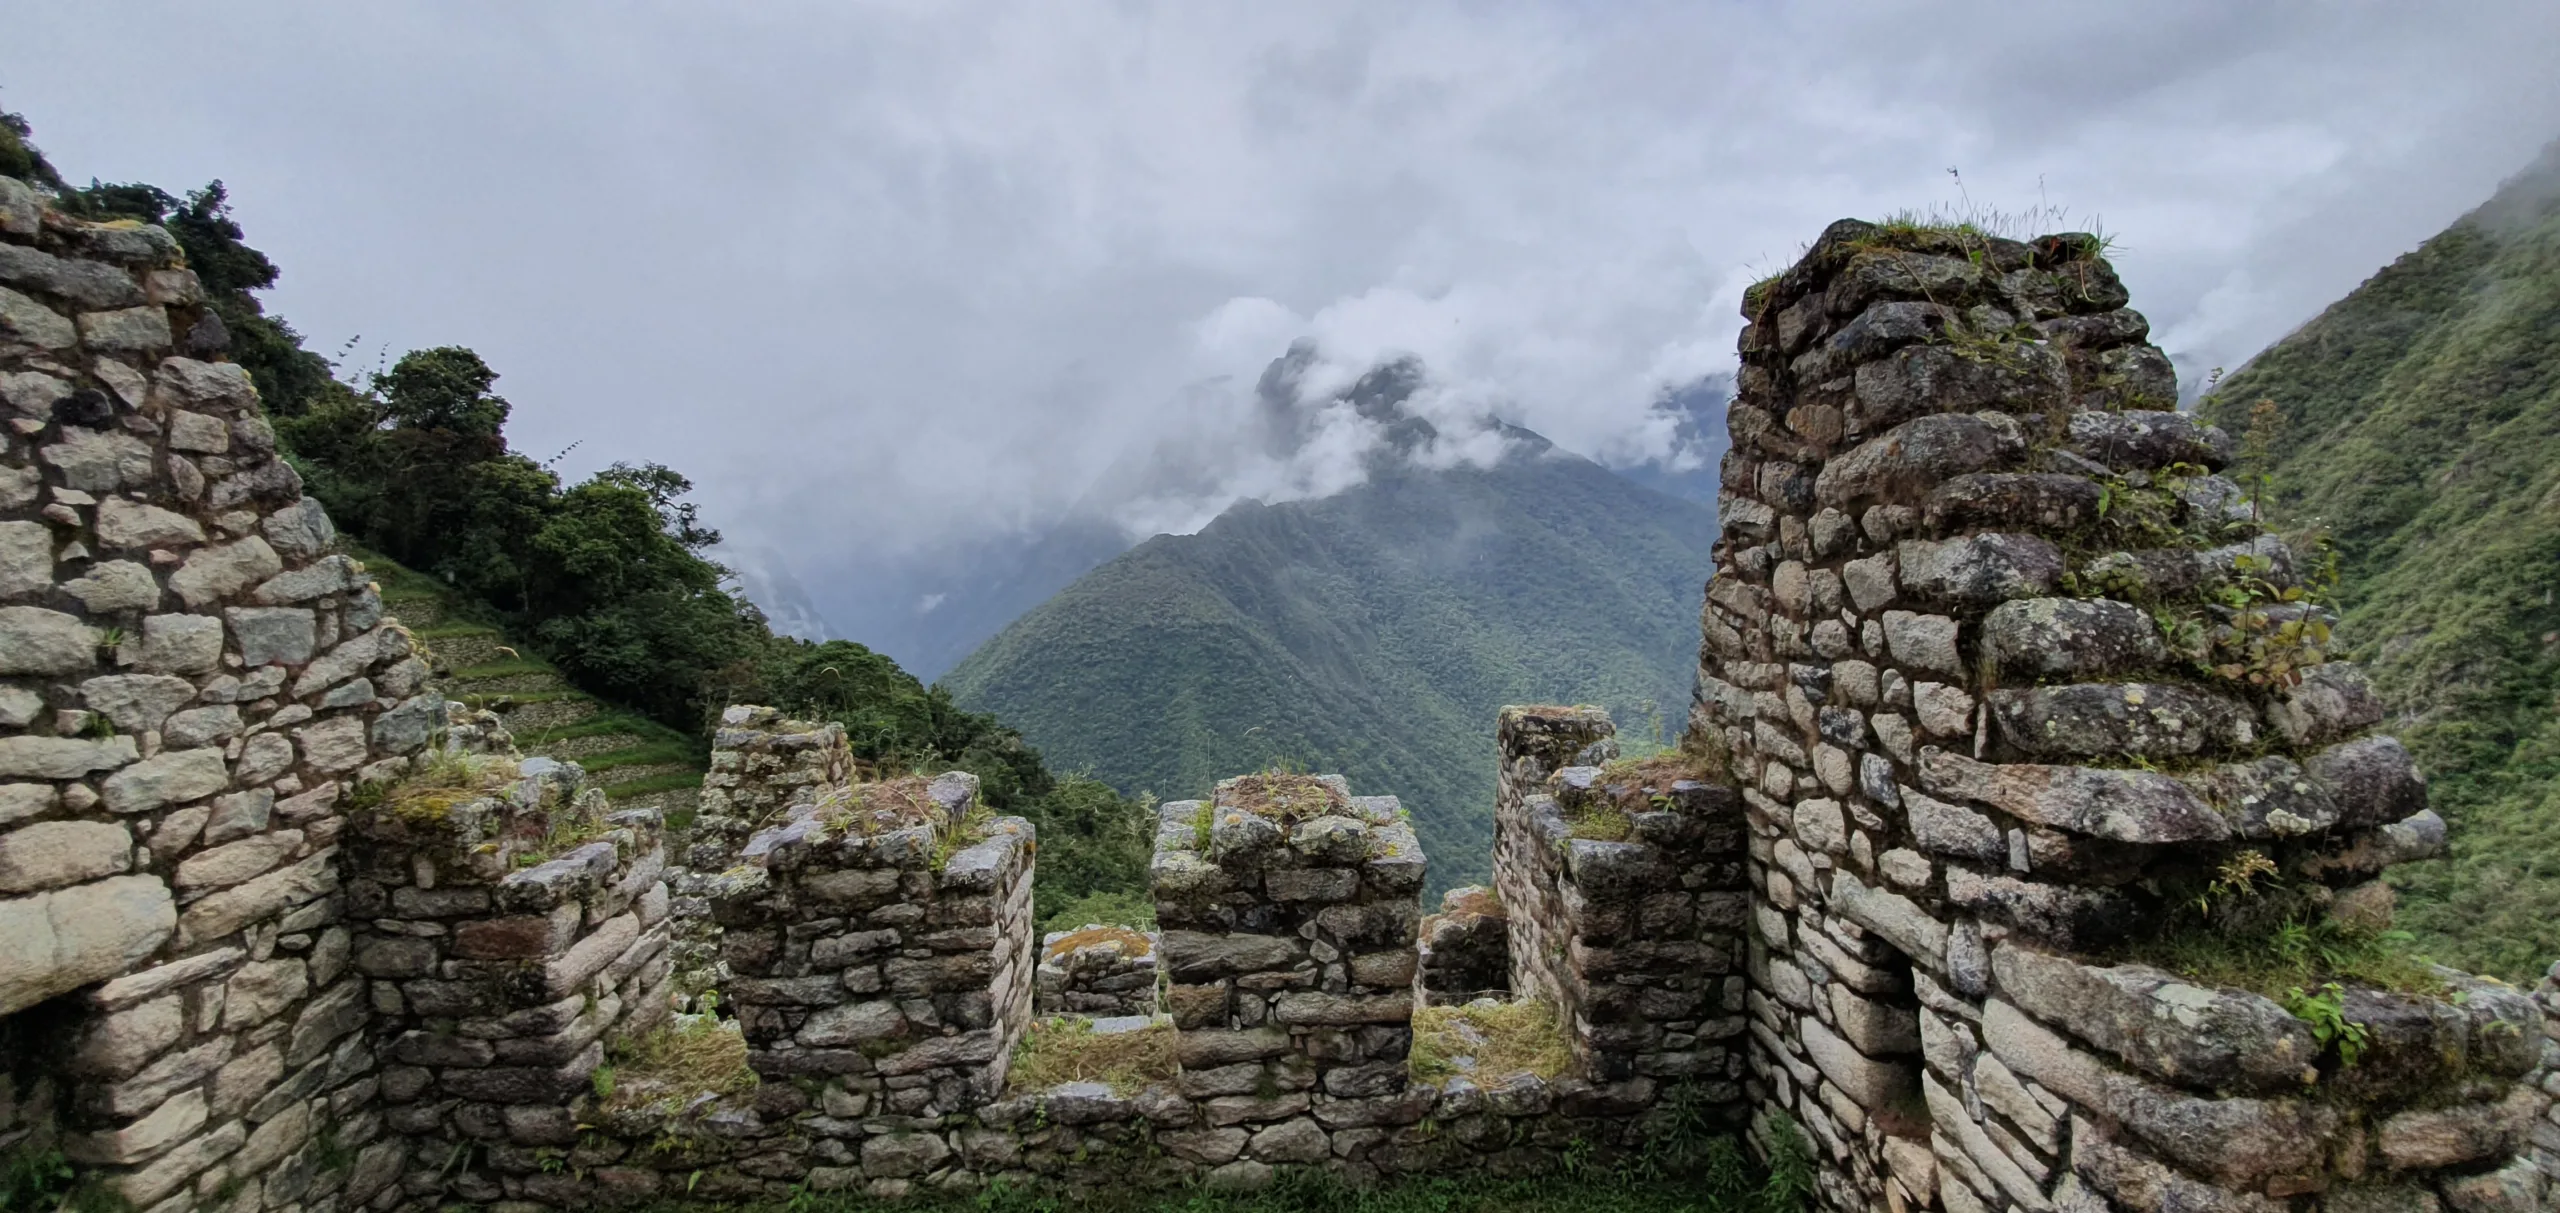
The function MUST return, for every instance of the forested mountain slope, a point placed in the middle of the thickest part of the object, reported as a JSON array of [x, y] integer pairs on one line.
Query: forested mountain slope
[[1374, 632], [2420, 427]]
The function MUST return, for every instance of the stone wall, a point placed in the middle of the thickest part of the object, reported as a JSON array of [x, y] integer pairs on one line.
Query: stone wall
[[510, 932], [190, 683], [1627, 902], [762, 766], [2012, 680], [1465, 949], [1096, 970], [884, 952], [1288, 908]]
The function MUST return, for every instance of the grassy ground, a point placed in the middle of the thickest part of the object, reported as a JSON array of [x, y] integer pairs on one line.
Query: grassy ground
[[1735, 1192]]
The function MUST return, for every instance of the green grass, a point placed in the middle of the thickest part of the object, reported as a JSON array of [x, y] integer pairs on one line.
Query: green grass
[[655, 783], [504, 669], [604, 723], [651, 754], [2421, 431], [1721, 1180]]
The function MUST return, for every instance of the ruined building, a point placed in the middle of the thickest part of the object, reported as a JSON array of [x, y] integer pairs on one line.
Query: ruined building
[[2006, 704]]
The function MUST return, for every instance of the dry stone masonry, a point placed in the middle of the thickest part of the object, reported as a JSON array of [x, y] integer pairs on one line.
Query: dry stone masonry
[[508, 931], [2006, 708], [1096, 970], [881, 944], [1289, 909], [2011, 678], [1627, 903], [191, 682]]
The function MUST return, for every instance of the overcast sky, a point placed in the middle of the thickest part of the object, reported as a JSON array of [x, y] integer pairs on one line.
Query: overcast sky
[[900, 274]]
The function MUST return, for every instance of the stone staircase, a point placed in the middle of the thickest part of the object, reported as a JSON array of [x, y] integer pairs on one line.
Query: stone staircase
[[639, 762]]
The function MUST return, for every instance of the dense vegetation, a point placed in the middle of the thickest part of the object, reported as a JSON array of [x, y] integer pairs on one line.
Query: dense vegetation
[[1374, 633], [613, 578], [2417, 422]]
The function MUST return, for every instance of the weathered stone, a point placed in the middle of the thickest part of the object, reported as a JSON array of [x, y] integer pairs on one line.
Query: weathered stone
[[2136, 439], [1299, 1141], [237, 862], [2069, 638], [115, 585], [136, 703], [1895, 917], [95, 461], [227, 911], [1935, 378], [272, 634], [2064, 915], [2010, 501], [169, 778], [2122, 805], [50, 854], [175, 644], [897, 1155], [221, 571], [117, 1043], [62, 757], [201, 726], [2372, 781], [26, 320], [335, 744], [2443, 1137], [1906, 462], [58, 941], [1979, 571], [124, 524], [2223, 1039], [2267, 798], [2101, 719], [300, 531], [34, 640], [1875, 1085], [2333, 701], [1926, 642], [26, 557]]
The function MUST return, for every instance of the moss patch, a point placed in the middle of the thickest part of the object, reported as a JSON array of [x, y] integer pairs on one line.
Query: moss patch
[[444, 781]]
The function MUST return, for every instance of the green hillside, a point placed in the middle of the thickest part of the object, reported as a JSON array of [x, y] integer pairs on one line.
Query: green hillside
[[1374, 632], [2421, 430], [638, 761]]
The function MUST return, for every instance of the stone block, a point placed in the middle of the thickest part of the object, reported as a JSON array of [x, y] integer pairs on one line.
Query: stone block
[[51, 854], [60, 940]]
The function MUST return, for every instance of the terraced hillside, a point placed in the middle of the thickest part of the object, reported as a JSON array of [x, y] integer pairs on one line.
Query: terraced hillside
[[639, 761]]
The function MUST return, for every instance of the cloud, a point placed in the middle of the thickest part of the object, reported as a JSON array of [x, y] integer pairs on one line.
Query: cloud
[[888, 277]]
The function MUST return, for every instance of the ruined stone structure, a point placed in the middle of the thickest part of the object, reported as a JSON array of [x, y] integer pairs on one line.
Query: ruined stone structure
[[1096, 970], [190, 683], [2001, 691], [2011, 679], [508, 933], [1465, 949], [1634, 931]]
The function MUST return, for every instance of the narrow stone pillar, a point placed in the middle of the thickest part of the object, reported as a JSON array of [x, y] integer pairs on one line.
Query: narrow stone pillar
[[2013, 680], [513, 932], [881, 940], [762, 766], [1626, 892], [1288, 908]]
